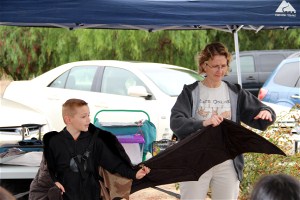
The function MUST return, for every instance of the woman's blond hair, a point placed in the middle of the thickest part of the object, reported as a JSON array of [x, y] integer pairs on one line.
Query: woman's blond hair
[[209, 52]]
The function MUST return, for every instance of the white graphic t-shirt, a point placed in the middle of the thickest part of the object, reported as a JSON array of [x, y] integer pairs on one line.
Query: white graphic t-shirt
[[213, 101]]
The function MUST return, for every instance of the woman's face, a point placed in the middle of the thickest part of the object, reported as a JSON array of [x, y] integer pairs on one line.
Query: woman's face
[[216, 68]]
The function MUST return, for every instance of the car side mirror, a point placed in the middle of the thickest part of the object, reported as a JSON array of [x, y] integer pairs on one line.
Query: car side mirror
[[137, 91]]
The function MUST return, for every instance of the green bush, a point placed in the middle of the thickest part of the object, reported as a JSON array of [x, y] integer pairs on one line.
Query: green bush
[[258, 165]]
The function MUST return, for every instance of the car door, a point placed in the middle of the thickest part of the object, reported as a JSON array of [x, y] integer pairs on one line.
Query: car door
[[102, 87], [115, 82], [78, 82], [266, 64], [287, 80]]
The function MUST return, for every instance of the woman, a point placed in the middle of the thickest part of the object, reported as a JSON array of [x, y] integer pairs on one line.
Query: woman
[[207, 103]]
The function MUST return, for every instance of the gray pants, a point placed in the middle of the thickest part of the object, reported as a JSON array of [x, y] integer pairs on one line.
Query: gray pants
[[222, 179]]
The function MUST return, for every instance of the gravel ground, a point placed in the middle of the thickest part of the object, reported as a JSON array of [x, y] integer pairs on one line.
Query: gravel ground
[[163, 192], [169, 193]]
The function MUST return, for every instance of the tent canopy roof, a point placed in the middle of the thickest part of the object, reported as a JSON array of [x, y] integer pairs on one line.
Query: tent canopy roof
[[152, 15]]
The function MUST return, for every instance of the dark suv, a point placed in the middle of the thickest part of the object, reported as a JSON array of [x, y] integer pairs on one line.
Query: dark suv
[[256, 67]]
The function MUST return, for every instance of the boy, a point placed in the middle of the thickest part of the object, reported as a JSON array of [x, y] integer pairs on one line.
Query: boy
[[74, 176]]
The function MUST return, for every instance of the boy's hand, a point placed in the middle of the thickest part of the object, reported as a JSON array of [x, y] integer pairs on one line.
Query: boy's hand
[[142, 172], [61, 187]]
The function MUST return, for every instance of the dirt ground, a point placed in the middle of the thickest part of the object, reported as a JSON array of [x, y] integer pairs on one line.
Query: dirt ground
[[3, 85], [163, 192], [155, 194]]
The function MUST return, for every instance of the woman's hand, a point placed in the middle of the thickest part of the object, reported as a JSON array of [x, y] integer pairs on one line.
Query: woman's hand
[[142, 172], [215, 120], [265, 115], [61, 187]]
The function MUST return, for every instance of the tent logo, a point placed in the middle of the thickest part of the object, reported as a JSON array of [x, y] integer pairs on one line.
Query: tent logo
[[285, 9]]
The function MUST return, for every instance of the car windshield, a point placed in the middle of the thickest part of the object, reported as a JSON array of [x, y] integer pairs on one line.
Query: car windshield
[[171, 80]]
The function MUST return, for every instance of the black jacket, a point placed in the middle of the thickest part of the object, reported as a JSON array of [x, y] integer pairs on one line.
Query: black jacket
[[60, 148]]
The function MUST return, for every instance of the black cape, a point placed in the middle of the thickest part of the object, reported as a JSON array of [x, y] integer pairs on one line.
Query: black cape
[[191, 157]]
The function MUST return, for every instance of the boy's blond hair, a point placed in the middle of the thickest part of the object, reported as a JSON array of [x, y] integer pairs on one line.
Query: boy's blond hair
[[69, 107]]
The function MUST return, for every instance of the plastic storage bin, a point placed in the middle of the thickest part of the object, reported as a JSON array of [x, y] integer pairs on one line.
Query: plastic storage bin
[[134, 146], [136, 137]]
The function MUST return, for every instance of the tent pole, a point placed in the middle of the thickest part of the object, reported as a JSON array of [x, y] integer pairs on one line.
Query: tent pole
[[237, 56]]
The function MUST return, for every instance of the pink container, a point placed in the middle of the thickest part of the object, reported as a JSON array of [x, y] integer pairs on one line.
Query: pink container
[[137, 138]]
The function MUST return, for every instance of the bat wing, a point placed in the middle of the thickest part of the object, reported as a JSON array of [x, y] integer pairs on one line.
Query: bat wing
[[191, 157], [239, 140]]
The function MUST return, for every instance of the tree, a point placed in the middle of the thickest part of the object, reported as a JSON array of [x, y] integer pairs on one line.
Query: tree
[[19, 56], [28, 52]]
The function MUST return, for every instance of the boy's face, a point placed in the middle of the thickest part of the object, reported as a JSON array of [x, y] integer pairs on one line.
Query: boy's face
[[81, 119]]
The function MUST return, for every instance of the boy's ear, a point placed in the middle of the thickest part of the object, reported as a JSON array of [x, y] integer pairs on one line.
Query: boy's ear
[[67, 119]]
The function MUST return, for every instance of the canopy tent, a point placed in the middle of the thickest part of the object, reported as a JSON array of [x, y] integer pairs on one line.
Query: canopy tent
[[152, 15]]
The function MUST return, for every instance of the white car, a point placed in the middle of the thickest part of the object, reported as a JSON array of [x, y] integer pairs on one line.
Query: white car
[[107, 85], [19, 123]]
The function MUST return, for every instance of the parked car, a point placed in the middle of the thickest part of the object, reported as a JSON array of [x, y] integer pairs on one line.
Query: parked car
[[106, 85], [283, 86], [294, 55], [19, 122], [256, 67]]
